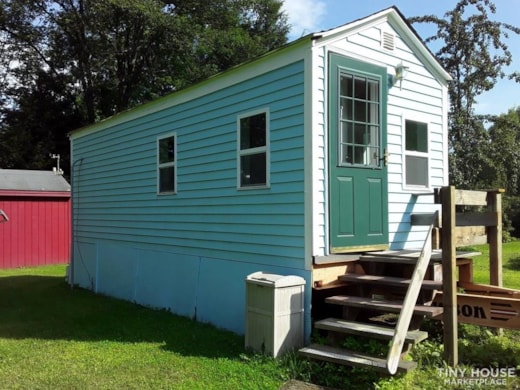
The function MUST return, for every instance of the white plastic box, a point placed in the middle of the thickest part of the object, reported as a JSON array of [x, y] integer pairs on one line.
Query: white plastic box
[[274, 313]]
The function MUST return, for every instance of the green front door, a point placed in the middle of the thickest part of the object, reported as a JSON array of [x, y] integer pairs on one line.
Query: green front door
[[357, 149]]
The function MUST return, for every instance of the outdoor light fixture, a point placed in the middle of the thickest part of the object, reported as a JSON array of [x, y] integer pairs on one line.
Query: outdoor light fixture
[[401, 72]]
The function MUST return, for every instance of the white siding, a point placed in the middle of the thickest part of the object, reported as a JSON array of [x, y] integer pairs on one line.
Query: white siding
[[421, 97]]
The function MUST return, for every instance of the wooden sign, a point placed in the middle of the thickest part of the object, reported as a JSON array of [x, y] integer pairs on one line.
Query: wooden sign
[[487, 306]]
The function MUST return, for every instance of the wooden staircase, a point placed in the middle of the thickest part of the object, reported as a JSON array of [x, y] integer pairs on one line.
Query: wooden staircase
[[367, 330], [379, 292], [379, 285], [382, 294]]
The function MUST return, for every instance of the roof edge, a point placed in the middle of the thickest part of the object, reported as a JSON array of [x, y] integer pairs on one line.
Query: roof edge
[[164, 101], [35, 194]]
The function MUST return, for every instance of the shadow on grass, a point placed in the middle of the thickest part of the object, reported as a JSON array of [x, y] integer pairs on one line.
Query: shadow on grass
[[513, 264], [45, 307]]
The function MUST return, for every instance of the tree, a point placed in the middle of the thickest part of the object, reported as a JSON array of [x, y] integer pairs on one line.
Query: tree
[[502, 168], [105, 56], [252, 28], [38, 126], [474, 53]]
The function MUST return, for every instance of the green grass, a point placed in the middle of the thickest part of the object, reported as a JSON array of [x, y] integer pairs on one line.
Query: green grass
[[510, 265], [52, 337]]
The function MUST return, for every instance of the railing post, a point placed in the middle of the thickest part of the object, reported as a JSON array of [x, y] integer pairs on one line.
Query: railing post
[[449, 280], [494, 200]]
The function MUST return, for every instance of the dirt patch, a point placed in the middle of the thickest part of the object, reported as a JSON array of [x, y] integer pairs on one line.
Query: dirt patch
[[298, 385]]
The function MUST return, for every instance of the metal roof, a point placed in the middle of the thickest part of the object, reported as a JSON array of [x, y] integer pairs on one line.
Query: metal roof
[[27, 180]]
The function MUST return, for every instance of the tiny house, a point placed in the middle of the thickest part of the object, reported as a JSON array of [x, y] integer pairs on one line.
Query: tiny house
[[287, 164], [36, 206]]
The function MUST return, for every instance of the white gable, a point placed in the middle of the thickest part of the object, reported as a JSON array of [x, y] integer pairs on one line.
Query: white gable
[[387, 24], [386, 40]]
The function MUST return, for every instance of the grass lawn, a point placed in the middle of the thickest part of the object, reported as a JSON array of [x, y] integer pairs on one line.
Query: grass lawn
[[510, 265], [53, 337]]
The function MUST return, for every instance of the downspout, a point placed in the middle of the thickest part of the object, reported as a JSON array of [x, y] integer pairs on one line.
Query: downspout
[[72, 192]]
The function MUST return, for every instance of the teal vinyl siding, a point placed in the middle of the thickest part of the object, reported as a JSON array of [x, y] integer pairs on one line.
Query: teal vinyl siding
[[116, 181]]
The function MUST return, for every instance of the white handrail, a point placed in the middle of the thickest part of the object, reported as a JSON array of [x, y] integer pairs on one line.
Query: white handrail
[[410, 300]]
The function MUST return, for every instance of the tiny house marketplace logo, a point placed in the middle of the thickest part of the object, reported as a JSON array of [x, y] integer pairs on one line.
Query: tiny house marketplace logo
[[491, 376]]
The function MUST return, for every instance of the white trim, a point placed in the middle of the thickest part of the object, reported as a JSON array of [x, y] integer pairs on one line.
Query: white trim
[[263, 149], [310, 116], [445, 130], [166, 165], [326, 68], [414, 117]]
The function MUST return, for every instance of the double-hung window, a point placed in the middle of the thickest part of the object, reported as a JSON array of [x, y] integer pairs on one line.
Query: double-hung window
[[253, 150], [167, 164], [416, 154]]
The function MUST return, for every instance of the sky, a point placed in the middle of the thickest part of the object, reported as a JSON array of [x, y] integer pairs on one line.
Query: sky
[[308, 16]]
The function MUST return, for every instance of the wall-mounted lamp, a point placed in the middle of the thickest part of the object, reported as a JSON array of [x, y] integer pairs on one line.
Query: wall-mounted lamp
[[401, 72]]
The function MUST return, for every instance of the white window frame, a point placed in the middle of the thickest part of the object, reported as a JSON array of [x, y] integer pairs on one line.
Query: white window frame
[[263, 149], [414, 153], [167, 165]]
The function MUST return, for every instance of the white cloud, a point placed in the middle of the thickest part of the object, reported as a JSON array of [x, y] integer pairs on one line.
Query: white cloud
[[305, 16]]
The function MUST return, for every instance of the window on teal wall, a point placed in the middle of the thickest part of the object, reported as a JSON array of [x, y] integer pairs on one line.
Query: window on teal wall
[[253, 150], [167, 164], [416, 154]]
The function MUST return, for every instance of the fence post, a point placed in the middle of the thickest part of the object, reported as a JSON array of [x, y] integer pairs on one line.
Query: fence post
[[494, 200], [449, 279]]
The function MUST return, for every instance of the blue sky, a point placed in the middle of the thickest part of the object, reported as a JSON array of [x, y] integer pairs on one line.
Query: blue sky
[[306, 16]]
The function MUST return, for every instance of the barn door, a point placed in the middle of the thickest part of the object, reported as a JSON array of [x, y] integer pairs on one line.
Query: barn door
[[358, 193]]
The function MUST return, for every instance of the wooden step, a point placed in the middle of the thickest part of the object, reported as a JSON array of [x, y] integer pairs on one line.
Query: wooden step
[[367, 330], [381, 305], [350, 358], [409, 256], [335, 284], [388, 281]]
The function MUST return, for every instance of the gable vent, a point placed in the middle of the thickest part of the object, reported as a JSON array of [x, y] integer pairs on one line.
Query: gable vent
[[388, 41]]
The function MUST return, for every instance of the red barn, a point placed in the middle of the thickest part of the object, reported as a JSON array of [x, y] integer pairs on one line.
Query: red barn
[[37, 205]]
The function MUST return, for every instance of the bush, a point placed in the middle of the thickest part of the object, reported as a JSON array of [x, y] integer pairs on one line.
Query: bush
[[482, 347], [511, 218]]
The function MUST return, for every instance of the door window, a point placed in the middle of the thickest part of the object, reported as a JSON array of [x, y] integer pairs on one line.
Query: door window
[[359, 121]]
